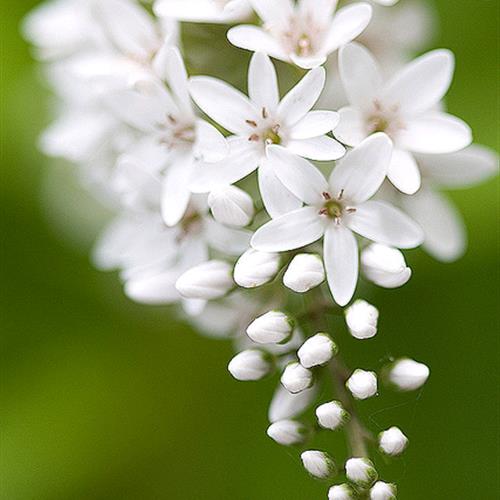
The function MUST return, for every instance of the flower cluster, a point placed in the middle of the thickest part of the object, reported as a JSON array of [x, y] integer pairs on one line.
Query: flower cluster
[[258, 211]]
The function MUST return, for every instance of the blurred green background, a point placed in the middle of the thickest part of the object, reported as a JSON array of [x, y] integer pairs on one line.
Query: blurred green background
[[101, 398]]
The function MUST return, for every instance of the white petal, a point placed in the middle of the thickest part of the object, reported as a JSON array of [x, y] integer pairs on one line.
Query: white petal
[[360, 74], [341, 262], [421, 84], [381, 222], [314, 124], [277, 199], [273, 12], [257, 40], [153, 289], [302, 97], [301, 177], [263, 82], [226, 105], [404, 172], [211, 146], [445, 235], [198, 11], [287, 405], [290, 231], [308, 62], [319, 9], [228, 240], [177, 79], [351, 129], [321, 148], [361, 172], [435, 133], [348, 23]]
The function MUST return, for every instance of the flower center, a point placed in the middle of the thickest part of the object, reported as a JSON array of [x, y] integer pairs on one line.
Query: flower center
[[271, 136], [304, 45], [334, 208], [384, 119], [265, 131], [175, 134]]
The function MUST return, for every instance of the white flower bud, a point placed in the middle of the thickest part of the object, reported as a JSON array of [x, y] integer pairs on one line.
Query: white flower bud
[[383, 491], [274, 327], [361, 318], [341, 492], [287, 432], [361, 472], [332, 415], [285, 405], [296, 378], [408, 375], [317, 350], [362, 384], [319, 464], [252, 364], [210, 280], [256, 268], [305, 272], [231, 206], [385, 266], [392, 442]]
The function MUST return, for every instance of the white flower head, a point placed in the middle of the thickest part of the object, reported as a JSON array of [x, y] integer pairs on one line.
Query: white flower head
[[336, 209], [296, 378], [384, 266], [256, 268], [317, 350], [260, 121], [287, 432], [252, 364], [303, 34], [383, 491], [273, 327], [362, 318], [408, 375], [319, 464], [361, 472], [403, 108], [392, 442], [305, 272], [231, 206], [332, 415], [341, 492], [362, 384]]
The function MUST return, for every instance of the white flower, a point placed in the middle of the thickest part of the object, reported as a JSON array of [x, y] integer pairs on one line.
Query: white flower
[[445, 236], [305, 272], [286, 405], [303, 34], [341, 492], [319, 464], [361, 318], [296, 378], [317, 350], [392, 442], [231, 206], [252, 364], [337, 208], [210, 280], [386, 3], [261, 121], [287, 432], [383, 491], [332, 415], [361, 472], [385, 266], [408, 375], [204, 11], [273, 327], [403, 108], [256, 268], [362, 384]]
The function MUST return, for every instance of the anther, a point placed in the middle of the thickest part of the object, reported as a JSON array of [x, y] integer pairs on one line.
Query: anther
[[326, 195], [264, 113], [341, 194], [252, 123], [253, 137]]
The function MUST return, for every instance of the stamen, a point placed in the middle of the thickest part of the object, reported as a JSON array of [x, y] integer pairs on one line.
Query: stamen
[[341, 194], [254, 137], [264, 113], [252, 123], [172, 119], [350, 210], [326, 195], [323, 211]]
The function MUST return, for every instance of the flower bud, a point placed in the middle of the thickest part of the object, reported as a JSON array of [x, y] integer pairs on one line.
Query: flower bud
[[296, 378], [231, 206], [210, 280], [362, 384], [319, 464], [392, 442], [332, 415], [287, 432], [304, 273], [408, 375], [341, 492], [256, 268], [361, 318], [383, 491], [286, 405], [317, 350], [252, 364], [385, 266], [274, 327], [361, 472]]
